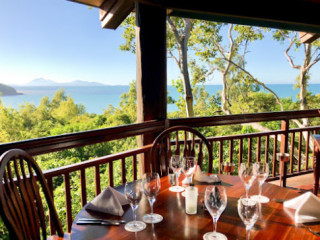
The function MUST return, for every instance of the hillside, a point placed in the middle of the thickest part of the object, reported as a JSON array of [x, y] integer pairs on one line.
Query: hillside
[[7, 90]]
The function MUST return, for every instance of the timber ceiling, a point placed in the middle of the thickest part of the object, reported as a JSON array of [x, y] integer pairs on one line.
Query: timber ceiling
[[299, 15]]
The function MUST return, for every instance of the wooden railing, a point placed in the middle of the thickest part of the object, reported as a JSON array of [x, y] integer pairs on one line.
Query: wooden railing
[[260, 146]]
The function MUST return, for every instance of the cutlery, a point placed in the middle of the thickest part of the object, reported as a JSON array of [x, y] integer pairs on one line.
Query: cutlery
[[317, 233], [105, 223], [100, 221]]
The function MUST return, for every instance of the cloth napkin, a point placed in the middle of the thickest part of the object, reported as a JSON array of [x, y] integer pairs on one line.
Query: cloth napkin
[[108, 201], [201, 177], [307, 207]]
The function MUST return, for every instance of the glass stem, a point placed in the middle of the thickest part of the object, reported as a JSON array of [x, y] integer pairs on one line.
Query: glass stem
[[177, 179], [134, 214], [248, 233], [247, 191], [151, 205], [214, 225], [260, 189]]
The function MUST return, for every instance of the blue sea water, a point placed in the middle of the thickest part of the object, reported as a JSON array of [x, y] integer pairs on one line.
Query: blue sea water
[[96, 99]]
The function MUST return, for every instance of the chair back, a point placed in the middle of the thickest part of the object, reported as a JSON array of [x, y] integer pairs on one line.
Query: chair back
[[21, 206], [179, 140]]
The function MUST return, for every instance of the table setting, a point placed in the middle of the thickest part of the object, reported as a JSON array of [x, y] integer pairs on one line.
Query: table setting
[[207, 206]]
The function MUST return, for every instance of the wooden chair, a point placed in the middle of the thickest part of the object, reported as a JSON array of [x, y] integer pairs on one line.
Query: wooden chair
[[168, 143], [21, 206]]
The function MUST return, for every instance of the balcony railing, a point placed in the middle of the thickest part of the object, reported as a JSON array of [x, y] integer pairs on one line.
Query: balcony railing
[[235, 148]]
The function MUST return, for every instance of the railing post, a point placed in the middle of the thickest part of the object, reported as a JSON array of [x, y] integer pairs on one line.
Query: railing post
[[284, 149], [316, 164]]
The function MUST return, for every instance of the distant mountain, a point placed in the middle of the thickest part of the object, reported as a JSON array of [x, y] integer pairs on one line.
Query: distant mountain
[[6, 90], [42, 82], [47, 82]]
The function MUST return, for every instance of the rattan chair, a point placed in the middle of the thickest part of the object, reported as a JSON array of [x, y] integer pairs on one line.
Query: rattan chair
[[21, 206], [178, 140]]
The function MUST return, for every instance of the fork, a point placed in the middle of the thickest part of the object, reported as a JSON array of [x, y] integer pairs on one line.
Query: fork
[[317, 233]]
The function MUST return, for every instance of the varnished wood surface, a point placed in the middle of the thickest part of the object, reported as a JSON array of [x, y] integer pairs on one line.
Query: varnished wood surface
[[275, 222]]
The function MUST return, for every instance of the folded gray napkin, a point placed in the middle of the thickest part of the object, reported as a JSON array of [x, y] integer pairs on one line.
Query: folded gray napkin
[[108, 201]]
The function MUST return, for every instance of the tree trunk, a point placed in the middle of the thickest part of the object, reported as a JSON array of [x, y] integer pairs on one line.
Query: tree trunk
[[186, 79], [303, 81]]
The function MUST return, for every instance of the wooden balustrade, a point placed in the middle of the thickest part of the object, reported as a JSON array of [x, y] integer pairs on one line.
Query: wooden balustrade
[[251, 147]]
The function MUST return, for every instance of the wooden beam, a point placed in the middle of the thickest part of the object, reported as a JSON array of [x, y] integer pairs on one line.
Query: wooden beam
[[151, 68], [92, 3], [113, 12], [300, 15], [308, 37]]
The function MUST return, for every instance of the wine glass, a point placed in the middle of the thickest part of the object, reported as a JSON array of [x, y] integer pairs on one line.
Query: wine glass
[[248, 212], [189, 165], [175, 165], [261, 171], [133, 193], [247, 176], [151, 186], [215, 200]]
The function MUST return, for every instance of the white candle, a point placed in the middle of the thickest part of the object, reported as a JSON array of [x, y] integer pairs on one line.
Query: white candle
[[191, 196]]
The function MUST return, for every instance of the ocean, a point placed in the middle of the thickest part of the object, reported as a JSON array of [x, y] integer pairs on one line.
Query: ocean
[[96, 99]]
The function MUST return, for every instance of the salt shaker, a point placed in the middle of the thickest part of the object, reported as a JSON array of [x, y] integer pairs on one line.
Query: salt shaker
[[191, 196]]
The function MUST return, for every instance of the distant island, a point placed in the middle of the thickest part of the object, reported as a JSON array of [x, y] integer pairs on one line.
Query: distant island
[[6, 90], [46, 82]]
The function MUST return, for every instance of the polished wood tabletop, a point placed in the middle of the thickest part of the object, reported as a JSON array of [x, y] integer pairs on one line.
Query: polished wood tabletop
[[275, 221]]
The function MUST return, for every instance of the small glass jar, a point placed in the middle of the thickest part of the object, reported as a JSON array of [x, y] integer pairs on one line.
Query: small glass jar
[[191, 196]]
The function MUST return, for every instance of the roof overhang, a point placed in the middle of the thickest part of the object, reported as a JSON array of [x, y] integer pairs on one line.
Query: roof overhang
[[298, 15]]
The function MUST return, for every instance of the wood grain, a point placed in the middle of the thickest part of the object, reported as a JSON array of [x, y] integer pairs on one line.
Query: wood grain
[[275, 222]]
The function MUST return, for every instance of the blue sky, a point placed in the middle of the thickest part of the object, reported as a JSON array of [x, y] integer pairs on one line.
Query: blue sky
[[63, 41]]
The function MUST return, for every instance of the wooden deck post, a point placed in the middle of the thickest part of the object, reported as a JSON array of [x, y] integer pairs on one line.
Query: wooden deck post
[[316, 164], [284, 149], [151, 70]]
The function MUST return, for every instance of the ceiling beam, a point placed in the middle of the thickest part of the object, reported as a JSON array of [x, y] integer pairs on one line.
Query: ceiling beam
[[298, 15], [308, 37], [113, 12]]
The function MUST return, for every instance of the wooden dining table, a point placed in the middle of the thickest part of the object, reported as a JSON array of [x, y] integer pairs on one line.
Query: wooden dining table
[[275, 221]]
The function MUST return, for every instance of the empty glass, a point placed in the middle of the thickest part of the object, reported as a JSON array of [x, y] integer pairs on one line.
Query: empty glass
[[151, 187], [189, 165], [246, 175], [215, 200], [261, 171], [248, 212], [133, 193], [175, 165]]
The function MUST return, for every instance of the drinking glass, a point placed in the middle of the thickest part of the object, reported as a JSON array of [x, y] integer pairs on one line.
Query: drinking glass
[[189, 165], [228, 167], [247, 176], [175, 165], [215, 200], [248, 212], [133, 193], [151, 186], [261, 171]]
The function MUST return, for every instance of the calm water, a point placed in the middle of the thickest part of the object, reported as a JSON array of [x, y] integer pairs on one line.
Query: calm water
[[95, 99]]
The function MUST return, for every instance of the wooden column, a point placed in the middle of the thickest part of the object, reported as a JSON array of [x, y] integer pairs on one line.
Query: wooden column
[[284, 149], [316, 164], [151, 70]]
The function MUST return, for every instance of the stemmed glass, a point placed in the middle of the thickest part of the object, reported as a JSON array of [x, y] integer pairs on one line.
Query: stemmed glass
[[175, 165], [247, 176], [215, 200], [261, 171], [189, 165], [133, 193], [151, 186], [248, 212]]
